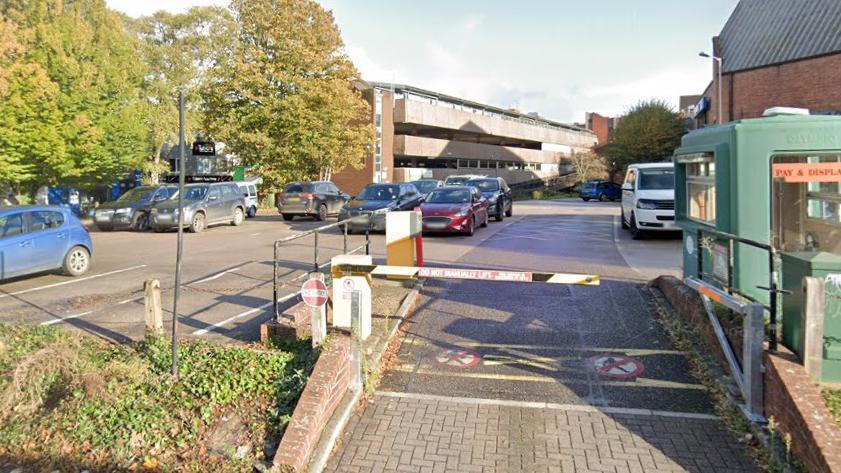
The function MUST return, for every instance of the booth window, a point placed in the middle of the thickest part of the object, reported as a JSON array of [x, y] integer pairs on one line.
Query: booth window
[[700, 189]]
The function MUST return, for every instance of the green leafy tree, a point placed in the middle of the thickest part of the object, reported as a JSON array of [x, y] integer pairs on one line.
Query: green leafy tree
[[178, 51], [286, 100], [650, 131]]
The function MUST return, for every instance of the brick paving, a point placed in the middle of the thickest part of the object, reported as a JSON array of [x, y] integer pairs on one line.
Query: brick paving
[[422, 435]]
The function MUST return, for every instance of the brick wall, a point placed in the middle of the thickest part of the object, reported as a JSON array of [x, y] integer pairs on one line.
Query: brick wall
[[811, 83], [795, 403], [325, 388]]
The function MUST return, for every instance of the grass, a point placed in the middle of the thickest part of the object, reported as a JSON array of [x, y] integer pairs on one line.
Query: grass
[[73, 402], [833, 402]]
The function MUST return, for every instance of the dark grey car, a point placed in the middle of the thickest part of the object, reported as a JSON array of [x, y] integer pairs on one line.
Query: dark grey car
[[376, 200], [318, 199], [500, 198], [131, 210], [204, 205]]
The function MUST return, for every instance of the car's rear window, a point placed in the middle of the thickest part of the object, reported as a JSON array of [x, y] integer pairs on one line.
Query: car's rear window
[[298, 188], [485, 185]]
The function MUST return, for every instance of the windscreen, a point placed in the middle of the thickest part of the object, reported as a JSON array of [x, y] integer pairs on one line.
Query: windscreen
[[385, 192], [457, 181], [424, 187], [449, 196], [138, 194], [656, 179], [485, 185]]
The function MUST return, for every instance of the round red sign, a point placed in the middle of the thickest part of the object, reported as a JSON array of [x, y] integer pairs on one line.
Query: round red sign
[[617, 366], [314, 293]]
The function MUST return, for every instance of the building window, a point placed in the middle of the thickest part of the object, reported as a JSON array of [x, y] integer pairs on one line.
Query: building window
[[700, 188], [378, 124]]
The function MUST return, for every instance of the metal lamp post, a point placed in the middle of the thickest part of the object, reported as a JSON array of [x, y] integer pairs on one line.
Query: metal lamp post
[[720, 105], [180, 251]]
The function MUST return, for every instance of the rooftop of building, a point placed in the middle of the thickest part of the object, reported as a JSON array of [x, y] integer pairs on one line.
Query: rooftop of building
[[762, 33], [477, 106]]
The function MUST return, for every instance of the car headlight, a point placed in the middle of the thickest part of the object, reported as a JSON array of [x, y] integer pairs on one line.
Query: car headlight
[[463, 213], [154, 210], [646, 204], [124, 210], [492, 199], [381, 211]]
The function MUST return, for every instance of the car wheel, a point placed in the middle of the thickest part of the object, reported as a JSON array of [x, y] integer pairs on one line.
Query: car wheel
[[288, 217], [510, 210], [636, 233], [141, 222], [322, 213], [471, 229], [622, 220], [104, 228], [238, 218], [585, 199], [252, 212], [500, 214], [158, 229], [603, 198], [76, 261], [197, 224], [485, 220]]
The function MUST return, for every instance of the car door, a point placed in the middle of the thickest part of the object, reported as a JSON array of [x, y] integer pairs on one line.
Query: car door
[[16, 246], [628, 193], [480, 205], [505, 192], [215, 204], [50, 235], [336, 198]]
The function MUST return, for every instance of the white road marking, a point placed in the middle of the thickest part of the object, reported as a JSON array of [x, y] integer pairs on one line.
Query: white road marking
[[75, 316], [215, 276], [548, 405], [248, 312], [255, 234], [48, 286]]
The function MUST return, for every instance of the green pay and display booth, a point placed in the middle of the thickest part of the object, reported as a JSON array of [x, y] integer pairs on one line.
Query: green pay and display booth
[[774, 182]]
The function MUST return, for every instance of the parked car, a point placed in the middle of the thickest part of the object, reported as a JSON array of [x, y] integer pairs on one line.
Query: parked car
[[460, 180], [455, 209], [378, 199], [425, 186], [500, 198], [42, 238], [648, 198], [598, 189], [131, 210], [204, 205], [313, 199], [249, 193]]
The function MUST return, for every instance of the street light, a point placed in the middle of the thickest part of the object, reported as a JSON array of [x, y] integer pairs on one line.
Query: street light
[[718, 59]]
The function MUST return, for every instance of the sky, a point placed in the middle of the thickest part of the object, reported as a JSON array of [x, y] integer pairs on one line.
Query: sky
[[559, 58]]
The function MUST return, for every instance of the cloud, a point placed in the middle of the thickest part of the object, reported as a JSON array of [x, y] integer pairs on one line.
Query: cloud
[[472, 22], [370, 69]]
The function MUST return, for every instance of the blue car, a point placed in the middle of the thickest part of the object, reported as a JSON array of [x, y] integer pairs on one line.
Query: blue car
[[42, 238], [600, 190]]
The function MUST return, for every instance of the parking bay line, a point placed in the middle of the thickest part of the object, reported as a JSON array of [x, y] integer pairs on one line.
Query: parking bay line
[[75, 316], [637, 383], [547, 405], [48, 286], [215, 276]]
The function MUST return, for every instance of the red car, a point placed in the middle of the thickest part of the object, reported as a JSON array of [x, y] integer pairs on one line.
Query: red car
[[454, 209]]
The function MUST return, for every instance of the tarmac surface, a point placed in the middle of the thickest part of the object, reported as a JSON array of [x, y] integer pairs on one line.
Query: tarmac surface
[[495, 376]]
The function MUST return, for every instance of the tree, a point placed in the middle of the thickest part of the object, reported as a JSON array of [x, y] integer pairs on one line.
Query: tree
[[650, 131], [588, 165], [286, 98], [178, 51]]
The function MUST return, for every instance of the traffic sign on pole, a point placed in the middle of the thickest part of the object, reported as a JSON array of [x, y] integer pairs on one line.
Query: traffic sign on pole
[[314, 293]]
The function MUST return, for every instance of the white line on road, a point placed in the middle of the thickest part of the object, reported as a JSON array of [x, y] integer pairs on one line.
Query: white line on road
[[255, 234], [75, 316], [48, 286], [548, 405], [215, 276], [248, 312]]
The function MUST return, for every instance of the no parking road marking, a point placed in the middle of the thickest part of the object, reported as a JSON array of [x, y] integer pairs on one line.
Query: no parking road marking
[[458, 358], [617, 366]]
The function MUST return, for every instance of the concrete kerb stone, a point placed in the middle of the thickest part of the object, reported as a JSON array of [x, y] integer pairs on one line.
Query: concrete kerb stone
[[325, 423]]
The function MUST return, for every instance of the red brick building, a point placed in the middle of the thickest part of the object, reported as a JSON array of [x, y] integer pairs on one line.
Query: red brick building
[[777, 53]]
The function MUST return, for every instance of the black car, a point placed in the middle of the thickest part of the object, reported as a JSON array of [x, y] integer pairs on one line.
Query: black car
[[318, 199], [131, 210], [425, 186], [378, 199], [496, 190]]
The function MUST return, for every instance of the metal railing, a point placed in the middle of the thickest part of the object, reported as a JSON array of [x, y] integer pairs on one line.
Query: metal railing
[[773, 275], [366, 219]]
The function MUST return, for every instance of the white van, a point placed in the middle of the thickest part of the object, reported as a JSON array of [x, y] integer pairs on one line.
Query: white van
[[249, 191], [648, 198]]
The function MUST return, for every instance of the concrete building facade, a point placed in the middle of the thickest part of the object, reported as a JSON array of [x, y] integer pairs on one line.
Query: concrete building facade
[[420, 133]]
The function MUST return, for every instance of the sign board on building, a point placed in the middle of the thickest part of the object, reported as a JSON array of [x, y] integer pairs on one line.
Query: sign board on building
[[204, 148]]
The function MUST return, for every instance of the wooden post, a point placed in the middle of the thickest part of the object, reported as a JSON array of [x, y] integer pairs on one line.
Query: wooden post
[[152, 301], [318, 317], [811, 320]]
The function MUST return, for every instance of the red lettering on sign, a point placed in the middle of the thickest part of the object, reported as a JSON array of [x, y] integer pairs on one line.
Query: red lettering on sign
[[807, 172], [481, 274]]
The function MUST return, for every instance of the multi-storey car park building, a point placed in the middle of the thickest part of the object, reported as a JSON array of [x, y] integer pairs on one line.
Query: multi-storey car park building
[[420, 133]]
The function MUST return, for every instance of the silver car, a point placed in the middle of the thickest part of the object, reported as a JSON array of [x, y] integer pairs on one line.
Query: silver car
[[204, 205]]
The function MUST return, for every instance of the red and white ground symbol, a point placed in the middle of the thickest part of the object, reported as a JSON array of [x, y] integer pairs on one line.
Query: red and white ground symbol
[[314, 293], [458, 358], [617, 366]]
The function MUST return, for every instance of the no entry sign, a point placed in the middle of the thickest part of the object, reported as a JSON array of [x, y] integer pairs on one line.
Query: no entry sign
[[314, 293], [458, 358], [617, 366]]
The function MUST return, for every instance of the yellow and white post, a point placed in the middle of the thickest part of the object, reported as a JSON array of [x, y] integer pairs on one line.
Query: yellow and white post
[[402, 232]]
